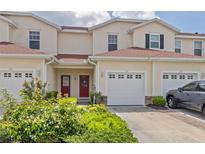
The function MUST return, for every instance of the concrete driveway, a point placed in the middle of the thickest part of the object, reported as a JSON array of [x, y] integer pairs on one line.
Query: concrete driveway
[[162, 126]]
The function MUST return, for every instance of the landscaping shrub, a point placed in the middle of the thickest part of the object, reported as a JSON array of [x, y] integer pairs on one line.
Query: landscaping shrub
[[159, 101], [51, 95], [96, 97], [63, 121]]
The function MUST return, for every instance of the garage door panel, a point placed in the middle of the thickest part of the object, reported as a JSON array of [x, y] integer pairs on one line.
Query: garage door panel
[[126, 90], [176, 80], [13, 81]]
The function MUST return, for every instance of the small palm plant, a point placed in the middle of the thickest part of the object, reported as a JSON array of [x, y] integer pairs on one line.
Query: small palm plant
[[31, 88]]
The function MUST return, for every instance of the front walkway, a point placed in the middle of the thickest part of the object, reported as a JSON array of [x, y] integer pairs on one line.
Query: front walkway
[[153, 126]]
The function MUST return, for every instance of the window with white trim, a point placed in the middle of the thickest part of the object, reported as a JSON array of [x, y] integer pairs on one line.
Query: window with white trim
[[112, 42], [178, 45], [198, 48], [129, 76], [34, 39], [174, 76], [155, 41]]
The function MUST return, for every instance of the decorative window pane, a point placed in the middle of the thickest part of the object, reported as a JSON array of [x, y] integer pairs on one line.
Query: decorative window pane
[[34, 39], [173, 76], [154, 41], [7, 75], [129, 76], [120, 76], [18, 75], [181, 76], [190, 77], [138, 76], [198, 48], [178, 46], [28, 75], [165, 76], [111, 76], [112, 42]]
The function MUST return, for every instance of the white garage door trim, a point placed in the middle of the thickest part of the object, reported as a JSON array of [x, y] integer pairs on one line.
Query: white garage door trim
[[177, 72], [123, 71]]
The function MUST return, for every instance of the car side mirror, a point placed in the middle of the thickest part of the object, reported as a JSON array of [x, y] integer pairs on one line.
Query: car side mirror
[[180, 90]]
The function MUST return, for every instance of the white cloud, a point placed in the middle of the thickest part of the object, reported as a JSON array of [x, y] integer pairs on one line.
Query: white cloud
[[76, 18], [90, 18], [135, 14]]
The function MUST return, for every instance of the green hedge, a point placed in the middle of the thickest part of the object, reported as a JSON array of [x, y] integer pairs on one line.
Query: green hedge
[[159, 101], [62, 121]]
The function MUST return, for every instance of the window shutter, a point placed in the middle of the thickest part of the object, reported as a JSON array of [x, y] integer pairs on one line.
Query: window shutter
[[161, 41], [146, 40]]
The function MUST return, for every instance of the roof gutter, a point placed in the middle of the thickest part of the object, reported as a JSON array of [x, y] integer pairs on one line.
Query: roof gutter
[[104, 58], [35, 56]]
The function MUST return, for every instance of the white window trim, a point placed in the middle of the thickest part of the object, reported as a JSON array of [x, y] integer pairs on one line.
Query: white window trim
[[202, 53], [34, 30], [180, 44], [112, 33], [153, 41]]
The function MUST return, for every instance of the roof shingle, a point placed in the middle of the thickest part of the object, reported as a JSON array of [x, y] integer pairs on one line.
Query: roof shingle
[[142, 52], [11, 48]]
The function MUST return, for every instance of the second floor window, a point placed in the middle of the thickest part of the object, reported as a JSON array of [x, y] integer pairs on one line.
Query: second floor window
[[34, 39], [155, 41], [112, 42], [178, 46], [198, 48]]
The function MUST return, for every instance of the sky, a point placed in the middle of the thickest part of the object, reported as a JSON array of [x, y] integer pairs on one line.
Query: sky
[[186, 21]]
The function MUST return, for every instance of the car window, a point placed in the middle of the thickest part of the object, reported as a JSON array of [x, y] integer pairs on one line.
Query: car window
[[201, 87], [190, 87]]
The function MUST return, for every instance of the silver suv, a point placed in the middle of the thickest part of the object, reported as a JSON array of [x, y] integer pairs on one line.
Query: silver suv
[[190, 96]]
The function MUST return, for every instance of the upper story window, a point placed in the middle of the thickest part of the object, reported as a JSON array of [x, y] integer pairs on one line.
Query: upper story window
[[154, 41], [34, 39], [112, 42], [198, 48], [178, 46]]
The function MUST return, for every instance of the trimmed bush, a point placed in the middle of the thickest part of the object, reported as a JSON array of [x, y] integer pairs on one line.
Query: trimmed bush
[[159, 101], [51, 95], [63, 121]]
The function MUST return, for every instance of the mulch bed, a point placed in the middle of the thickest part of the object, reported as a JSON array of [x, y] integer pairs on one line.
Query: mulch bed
[[158, 107]]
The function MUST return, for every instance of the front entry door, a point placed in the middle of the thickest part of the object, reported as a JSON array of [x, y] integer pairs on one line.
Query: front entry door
[[84, 85], [65, 85]]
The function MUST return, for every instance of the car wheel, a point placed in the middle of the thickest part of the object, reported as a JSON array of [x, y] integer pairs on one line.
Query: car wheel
[[171, 102], [203, 111]]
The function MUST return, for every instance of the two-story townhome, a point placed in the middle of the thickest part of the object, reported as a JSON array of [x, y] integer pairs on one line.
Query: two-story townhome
[[128, 60]]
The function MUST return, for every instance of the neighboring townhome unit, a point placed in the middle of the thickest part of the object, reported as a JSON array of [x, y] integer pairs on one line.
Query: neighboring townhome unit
[[128, 60]]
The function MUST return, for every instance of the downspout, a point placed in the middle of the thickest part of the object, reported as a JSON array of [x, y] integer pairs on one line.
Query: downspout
[[45, 68], [96, 72]]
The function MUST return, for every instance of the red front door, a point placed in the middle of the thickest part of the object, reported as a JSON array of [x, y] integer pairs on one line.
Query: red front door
[[65, 85], [84, 85]]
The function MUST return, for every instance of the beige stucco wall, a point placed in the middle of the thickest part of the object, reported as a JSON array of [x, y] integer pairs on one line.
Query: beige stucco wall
[[20, 35], [75, 43], [100, 36], [169, 35], [108, 66], [51, 78], [74, 73], [4, 31], [35, 65]]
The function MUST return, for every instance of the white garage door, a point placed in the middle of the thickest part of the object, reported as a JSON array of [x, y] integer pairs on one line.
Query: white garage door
[[126, 89], [12, 81], [176, 80]]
